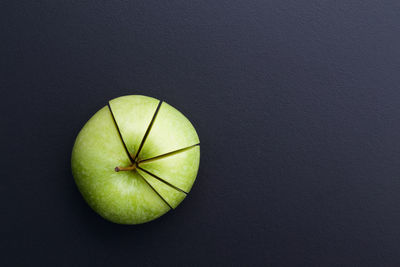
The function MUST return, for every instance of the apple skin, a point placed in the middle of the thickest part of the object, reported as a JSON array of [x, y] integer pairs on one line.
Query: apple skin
[[129, 197]]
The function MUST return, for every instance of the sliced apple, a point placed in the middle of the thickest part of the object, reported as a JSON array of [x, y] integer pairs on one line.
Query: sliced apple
[[135, 159]]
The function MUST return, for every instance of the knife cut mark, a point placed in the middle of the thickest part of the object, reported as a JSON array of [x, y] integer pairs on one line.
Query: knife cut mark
[[162, 180], [120, 136], [168, 154], [155, 191], [147, 131]]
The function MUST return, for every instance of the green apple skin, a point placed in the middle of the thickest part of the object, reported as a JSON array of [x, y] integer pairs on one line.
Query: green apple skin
[[128, 197]]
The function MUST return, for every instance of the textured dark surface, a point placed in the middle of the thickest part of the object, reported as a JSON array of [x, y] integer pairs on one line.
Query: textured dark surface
[[296, 104]]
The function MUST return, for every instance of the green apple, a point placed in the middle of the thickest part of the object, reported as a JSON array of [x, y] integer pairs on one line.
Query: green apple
[[135, 159]]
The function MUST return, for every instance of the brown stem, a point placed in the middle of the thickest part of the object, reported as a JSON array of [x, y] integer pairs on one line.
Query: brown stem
[[130, 168]]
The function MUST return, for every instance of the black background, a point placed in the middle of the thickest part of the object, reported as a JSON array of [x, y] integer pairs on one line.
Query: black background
[[296, 104]]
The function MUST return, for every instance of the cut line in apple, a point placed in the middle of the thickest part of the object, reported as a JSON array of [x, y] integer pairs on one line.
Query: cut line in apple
[[119, 133], [168, 154], [156, 191], [172, 196], [162, 180], [147, 131]]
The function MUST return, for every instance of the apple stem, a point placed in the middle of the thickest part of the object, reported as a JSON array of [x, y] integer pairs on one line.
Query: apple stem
[[130, 168]]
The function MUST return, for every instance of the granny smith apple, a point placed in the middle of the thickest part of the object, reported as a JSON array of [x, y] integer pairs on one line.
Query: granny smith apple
[[135, 159]]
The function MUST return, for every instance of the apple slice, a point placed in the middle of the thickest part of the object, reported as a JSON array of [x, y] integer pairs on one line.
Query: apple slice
[[177, 168], [121, 197], [170, 131], [171, 195], [133, 115]]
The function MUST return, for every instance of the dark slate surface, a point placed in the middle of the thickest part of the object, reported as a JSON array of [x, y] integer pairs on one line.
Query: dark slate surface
[[296, 104]]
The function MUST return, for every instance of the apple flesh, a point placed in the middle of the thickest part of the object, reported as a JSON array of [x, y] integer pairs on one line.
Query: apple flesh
[[154, 143]]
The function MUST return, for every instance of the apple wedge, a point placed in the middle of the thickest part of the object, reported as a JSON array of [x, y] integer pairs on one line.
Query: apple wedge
[[179, 169], [170, 131], [171, 195]]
